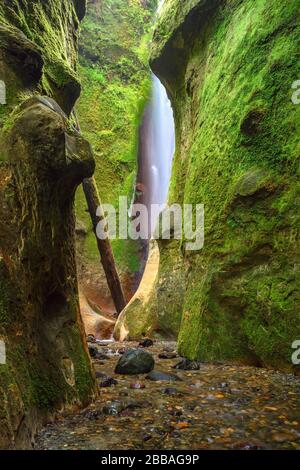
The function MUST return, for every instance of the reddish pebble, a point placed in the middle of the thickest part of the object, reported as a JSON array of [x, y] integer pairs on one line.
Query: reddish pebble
[[137, 386]]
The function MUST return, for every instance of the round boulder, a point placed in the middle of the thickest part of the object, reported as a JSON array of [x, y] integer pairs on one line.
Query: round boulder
[[135, 361]]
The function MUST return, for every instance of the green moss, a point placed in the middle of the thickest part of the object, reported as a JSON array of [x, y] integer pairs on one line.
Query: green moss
[[52, 28], [126, 253], [238, 140], [171, 288], [42, 39], [85, 383], [5, 318], [115, 74]]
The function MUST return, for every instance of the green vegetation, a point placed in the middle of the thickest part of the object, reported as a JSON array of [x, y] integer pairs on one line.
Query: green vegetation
[[238, 153], [49, 41], [38, 45], [116, 83]]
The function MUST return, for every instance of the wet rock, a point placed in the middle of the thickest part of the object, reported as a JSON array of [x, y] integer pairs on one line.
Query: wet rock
[[102, 356], [192, 406], [175, 412], [137, 386], [171, 391], [103, 342], [246, 446], [114, 408], [198, 384], [100, 375], [91, 415], [40, 176], [186, 364], [133, 405], [137, 320], [108, 382], [93, 350], [122, 351], [224, 385], [91, 339], [95, 324], [157, 376], [96, 354], [167, 355], [146, 343], [251, 182], [135, 361]]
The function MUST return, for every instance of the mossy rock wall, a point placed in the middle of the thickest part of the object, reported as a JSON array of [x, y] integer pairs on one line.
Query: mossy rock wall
[[42, 161], [114, 67], [229, 68]]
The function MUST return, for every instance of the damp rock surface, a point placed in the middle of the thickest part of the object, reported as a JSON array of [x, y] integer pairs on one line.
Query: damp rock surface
[[135, 361], [219, 406]]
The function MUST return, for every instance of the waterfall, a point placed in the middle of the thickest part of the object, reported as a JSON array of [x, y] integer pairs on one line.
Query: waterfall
[[160, 5], [156, 151]]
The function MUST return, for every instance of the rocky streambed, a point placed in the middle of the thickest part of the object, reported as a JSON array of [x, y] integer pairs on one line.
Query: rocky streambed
[[208, 406]]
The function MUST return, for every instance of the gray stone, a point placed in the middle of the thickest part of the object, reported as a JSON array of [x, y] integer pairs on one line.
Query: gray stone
[[157, 376], [135, 361]]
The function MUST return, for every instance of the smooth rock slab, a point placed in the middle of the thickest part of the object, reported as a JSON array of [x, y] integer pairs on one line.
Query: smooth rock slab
[[157, 376], [186, 364], [135, 361]]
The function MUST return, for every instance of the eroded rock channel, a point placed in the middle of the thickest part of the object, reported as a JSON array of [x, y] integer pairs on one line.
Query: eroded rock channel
[[209, 357]]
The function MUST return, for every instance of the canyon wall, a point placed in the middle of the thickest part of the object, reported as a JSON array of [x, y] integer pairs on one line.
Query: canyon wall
[[42, 161], [229, 66], [116, 78]]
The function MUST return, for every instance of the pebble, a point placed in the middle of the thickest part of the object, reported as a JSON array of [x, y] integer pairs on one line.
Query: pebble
[[171, 391], [137, 386], [146, 343], [167, 355], [186, 364], [108, 382], [113, 408], [91, 339], [222, 406]]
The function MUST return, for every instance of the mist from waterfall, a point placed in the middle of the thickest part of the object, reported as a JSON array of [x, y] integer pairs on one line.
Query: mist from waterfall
[[156, 151]]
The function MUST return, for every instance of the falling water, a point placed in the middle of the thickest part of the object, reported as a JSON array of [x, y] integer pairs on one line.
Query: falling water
[[160, 5], [156, 151]]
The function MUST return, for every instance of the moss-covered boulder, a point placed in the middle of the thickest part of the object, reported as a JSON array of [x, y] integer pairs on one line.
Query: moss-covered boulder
[[229, 68]]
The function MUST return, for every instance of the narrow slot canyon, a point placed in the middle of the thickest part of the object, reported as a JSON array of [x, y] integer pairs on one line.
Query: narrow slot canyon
[[149, 226], [156, 147]]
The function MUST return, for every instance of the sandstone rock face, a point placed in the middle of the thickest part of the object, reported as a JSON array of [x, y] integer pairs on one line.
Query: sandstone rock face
[[139, 318], [95, 324], [229, 69], [42, 161]]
